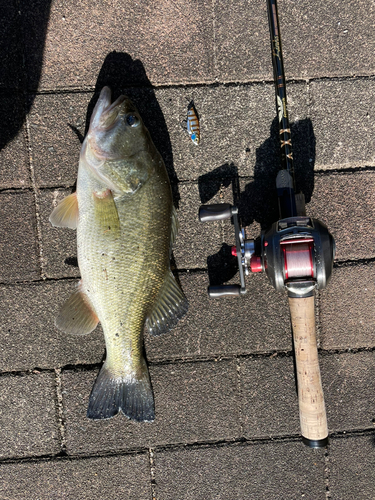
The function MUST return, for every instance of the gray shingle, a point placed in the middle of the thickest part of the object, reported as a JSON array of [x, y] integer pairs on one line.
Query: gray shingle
[[264, 470], [18, 245], [351, 468], [348, 390], [349, 322], [119, 477], [28, 416]]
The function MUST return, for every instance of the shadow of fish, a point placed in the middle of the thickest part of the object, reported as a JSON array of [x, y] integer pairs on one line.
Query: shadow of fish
[[126, 224]]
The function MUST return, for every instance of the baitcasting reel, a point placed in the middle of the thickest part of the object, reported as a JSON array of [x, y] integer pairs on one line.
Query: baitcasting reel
[[296, 253]]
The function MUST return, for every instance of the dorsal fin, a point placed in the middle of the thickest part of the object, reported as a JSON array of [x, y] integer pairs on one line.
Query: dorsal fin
[[171, 304], [66, 213]]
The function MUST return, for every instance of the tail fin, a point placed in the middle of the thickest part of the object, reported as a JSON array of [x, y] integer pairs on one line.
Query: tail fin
[[112, 393]]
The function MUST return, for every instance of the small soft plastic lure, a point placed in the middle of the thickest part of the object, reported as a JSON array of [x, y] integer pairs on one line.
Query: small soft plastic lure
[[192, 124]]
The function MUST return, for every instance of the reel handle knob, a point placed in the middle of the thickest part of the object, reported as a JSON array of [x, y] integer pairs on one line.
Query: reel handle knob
[[225, 290], [220, 211]]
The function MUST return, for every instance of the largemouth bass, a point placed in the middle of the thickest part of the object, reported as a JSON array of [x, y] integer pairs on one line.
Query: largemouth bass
[[126, 223]]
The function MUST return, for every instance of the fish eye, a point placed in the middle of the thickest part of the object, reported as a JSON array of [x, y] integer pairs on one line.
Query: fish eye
[[132, 120]]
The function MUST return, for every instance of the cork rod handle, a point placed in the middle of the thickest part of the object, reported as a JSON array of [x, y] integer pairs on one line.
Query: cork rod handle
[[310, 392]]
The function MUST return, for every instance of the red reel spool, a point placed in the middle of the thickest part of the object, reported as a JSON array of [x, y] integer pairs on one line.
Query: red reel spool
[[298, 259]]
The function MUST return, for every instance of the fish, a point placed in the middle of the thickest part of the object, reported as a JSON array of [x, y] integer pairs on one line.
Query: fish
[[126, 225], [192, 124]]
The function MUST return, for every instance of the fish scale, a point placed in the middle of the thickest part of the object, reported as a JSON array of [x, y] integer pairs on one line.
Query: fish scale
[[126, 301]]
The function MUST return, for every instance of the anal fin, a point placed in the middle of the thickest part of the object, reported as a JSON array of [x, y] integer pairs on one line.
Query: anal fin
[[170, 306], [76, 315], [66, 213]]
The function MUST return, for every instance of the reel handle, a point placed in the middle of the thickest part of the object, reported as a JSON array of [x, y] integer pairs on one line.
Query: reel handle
[[313, 418], [220, 211], [225, 290]]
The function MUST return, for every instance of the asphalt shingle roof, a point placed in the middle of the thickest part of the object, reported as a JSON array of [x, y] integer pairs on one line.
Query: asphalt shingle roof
[[226, 407]]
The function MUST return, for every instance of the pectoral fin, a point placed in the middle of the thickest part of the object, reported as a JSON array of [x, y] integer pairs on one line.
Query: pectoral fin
[[106, 214], [170, 306], [66, 213], [76, 315]]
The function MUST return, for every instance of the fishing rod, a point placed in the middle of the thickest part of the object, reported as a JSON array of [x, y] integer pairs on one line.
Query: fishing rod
[[296, 253]]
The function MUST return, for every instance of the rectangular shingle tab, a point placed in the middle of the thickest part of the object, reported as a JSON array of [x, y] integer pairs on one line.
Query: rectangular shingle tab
[[18, 237], [242, 49], [195, 240], [270, 470], [349, 322], [318, 40], [342, 113], [345, 203], [269, 402], [351, 467], [164, 41], [59, 243], [14, 172], [117, 478], [55, 122], [348, 387], [327, 39], [28, 416]]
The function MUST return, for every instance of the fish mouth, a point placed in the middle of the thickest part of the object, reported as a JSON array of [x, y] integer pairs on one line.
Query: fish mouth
[[105, 118], [109, 115], [106, 112]]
